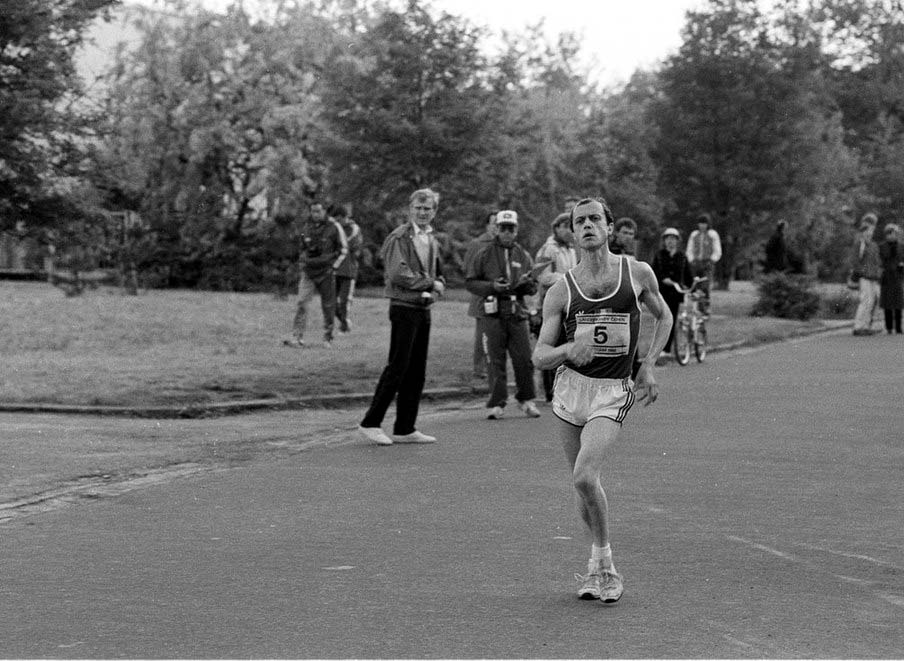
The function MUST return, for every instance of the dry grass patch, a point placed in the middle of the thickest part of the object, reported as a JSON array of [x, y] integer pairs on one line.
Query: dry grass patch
[[189, 347]]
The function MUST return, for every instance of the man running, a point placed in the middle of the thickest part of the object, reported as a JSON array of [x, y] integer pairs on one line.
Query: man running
[[599, 301]]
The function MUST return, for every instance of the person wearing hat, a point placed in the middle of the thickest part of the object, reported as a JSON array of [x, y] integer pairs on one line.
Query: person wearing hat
[[672, 271], [559, 253], [891, 289], [500, 277], [866, 271]]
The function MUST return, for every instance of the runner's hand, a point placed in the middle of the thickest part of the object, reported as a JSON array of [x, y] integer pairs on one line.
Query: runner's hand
[[579, 354], [646, 387]]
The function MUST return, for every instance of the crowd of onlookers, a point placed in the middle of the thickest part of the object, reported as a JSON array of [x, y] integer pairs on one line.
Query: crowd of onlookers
[[507, 284]]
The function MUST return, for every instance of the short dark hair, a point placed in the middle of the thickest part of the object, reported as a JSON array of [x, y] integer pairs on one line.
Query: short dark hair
[[704, 218], [337, 211], [625, 222], [606, 211], [561, 219]]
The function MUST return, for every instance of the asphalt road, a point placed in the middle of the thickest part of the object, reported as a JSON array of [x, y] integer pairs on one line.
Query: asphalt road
[[758, 512]]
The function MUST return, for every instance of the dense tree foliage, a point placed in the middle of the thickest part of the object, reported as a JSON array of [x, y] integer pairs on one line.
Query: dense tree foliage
[[40, 121], [219, 128]]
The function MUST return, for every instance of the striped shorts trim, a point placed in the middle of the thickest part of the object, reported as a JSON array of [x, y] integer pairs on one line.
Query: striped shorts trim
[[577, 399]]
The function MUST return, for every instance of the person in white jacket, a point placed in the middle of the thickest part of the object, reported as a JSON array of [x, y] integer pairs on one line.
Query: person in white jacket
[[559, 254], [704, 249]]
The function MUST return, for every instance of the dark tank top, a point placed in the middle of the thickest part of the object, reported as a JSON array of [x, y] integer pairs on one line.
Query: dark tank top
[[610, 324]]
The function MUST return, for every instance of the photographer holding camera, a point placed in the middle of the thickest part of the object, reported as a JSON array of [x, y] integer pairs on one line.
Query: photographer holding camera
[[500, 277]]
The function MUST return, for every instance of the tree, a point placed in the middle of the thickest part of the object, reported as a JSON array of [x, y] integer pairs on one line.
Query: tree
[[40, 121], [746, 132], [404, 99], [210, 135]]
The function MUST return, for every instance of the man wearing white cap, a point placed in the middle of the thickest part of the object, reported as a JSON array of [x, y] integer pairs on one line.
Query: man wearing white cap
[[672, 270], [500, 275]]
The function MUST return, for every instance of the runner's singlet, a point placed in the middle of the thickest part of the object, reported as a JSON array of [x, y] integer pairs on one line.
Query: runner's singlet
[[610, 324]]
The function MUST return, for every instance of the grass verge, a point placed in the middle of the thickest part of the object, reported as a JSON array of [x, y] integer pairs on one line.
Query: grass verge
[[178, 348]]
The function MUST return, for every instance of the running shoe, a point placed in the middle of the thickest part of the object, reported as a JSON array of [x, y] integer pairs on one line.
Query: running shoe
[[294, 342], [495, 413], [590, 585], [611, 586]]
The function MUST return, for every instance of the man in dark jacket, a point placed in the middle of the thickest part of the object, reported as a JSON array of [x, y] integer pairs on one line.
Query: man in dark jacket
[[474, 247], [323, 249], [776, 250], [500, 277], [413, 274], [671, 268]]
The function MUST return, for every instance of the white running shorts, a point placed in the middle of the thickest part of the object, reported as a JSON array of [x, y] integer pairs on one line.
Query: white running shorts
[[578, 399]]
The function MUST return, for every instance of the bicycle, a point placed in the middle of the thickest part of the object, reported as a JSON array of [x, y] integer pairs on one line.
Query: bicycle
[[690, 324]]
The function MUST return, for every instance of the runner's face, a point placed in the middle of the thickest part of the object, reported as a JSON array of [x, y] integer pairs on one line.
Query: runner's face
[[591, 230], [317, 213]]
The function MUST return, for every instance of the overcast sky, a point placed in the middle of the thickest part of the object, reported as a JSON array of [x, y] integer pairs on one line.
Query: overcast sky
[[619, 36]]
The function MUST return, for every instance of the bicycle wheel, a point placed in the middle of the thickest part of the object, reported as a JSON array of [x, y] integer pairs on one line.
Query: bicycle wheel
[[682, 341], [700, 343]]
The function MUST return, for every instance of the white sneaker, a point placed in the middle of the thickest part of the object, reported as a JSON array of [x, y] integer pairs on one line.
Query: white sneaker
[[414, 437], [495, 413], [530, 409], [374, 434]]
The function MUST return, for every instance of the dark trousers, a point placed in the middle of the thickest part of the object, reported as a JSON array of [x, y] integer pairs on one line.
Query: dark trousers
[[503, 337], [345, 293], [674, 304], [704, 270], [480, 356], [893, 320], [308, 287], [403, 377]]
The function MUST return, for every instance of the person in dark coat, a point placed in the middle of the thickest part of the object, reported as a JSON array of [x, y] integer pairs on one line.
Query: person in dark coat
[[891, 290], [671, 268], [777, 250]]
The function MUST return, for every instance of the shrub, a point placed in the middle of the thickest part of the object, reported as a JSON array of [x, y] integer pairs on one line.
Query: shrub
[[786, 296], [840, 304]]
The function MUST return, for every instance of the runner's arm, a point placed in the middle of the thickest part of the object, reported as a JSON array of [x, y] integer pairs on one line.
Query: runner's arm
[[547, 356], [662, 325]]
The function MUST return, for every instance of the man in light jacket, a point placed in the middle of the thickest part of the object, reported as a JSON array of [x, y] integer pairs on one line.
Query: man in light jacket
[[413, 274]]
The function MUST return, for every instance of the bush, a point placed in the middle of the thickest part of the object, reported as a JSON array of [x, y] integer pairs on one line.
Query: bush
[[786, 296], [839, 305]]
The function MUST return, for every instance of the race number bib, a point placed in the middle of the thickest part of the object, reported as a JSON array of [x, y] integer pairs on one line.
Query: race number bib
[[609, 333]]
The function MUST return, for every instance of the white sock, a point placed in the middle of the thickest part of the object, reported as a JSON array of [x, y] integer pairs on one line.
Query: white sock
[[601, 555]]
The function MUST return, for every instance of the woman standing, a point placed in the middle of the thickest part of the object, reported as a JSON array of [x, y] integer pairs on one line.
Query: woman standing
[[891, 292], [672, 268]]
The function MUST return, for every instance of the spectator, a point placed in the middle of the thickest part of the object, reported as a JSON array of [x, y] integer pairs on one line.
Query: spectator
[[622, 240], [704, 249], [569, 203], [478, 244], [413, 275], [866, 271], [347, 272], [891, 289], [323, 249], [672, 271], [777, 258], [500, 275], [559, 251]]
